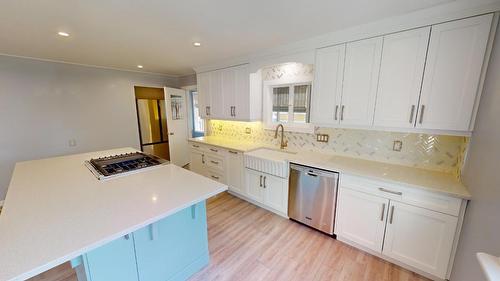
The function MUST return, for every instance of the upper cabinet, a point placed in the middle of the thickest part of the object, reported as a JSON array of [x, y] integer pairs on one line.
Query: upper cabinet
[[401, 72], [361, 71], [452, 73], [329, 75], [424, 79], [226, 94]]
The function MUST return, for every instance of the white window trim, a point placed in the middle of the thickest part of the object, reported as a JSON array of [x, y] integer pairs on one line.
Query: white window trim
[[267, 104]]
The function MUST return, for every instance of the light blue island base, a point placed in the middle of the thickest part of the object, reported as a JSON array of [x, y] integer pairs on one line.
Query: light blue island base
[[173, 248]]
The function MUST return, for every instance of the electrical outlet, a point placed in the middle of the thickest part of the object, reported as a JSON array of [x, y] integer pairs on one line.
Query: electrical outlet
[[248, 130], [322, 137], [397, 145]]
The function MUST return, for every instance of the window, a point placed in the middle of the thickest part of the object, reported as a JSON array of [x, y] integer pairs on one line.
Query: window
[[198, 123], [291, 103]]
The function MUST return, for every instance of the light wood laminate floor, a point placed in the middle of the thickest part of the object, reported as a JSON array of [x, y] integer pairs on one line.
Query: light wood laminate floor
[[250, 243]]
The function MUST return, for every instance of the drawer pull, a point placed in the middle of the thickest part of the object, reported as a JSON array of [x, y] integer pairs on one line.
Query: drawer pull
[[382, 214], [215, 177], [233, 152], [390, 191], [260, 181], [215, 162], [214, 150], [265, 181]]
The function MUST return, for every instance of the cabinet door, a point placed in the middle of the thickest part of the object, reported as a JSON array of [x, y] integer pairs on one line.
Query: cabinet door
[[254, 185], [242, 95], [203, 93], [113, 261], [361, 218], [216, 96], [401, 72], [197, 164], [234, 172], [174, 247], [275, 193], [420, 237], [228, 92], [452, 73], [327, 93], [362, 65]]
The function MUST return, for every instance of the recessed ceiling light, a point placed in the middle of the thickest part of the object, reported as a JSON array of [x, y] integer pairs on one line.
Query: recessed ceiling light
[[140, 66], [197, 44], [62, 33]]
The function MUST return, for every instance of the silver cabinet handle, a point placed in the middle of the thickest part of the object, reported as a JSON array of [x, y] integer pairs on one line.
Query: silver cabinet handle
[[265, 181], [336, 111], [390, 191], [153, 231], [127, 236], [213, 149], [193, 212], [382, 214], [234, 111], [215, 177], [260, 181], [207, 110], [203, 158], [214, 162], [392, 214], [233, 152], [412, 112], [342, 113], [421, 119]]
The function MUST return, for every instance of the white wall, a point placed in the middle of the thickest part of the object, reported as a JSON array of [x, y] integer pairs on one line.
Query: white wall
[[43, 105], [481, 230]]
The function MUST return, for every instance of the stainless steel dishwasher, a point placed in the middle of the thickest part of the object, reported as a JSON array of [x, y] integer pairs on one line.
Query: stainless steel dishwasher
[[312, 197]]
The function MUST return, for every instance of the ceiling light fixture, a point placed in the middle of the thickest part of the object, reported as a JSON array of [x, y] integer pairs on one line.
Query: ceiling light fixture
[[62, 33], [140, 66], [197, 44]]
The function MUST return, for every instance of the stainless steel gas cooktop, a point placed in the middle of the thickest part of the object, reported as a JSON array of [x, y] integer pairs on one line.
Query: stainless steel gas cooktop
[[122, 164]]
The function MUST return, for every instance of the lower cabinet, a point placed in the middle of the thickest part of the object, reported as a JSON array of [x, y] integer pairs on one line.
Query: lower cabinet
[[268, 190], [197, 161], [361, 218], [173, 248], [420, 237], [415, 236], [234, 172]]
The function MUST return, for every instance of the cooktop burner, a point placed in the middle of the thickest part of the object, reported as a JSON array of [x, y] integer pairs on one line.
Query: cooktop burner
[[110, 166]]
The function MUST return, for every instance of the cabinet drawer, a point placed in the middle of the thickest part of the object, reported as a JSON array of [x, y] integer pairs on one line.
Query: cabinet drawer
[[216, 176], [413, 196], [214, 162], [215, 150], [195, 145]]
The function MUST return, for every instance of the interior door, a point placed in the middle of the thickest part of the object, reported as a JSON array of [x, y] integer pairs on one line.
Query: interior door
[[401, 72], [362, 65], [177, 122]]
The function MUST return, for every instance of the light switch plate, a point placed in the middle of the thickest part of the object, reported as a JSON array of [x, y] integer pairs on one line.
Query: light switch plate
[[322, 137], [397, 145], [248, 130]]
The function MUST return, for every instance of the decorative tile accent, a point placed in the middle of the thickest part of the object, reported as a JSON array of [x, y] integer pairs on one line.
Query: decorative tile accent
[[432, 152]]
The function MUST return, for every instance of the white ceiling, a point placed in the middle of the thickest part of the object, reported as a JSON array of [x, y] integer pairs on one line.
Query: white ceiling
[[159, 33]]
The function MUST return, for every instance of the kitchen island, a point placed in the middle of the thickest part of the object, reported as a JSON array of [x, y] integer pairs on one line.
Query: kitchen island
[[56, 211]]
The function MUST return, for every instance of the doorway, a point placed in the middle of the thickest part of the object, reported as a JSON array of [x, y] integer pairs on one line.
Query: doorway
[[152, 121]]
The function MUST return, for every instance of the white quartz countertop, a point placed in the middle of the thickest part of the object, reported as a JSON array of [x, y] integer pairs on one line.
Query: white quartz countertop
[[433, 181], [56, 210]]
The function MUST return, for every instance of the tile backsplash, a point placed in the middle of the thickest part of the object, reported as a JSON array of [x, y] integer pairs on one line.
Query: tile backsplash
[[432, 152]]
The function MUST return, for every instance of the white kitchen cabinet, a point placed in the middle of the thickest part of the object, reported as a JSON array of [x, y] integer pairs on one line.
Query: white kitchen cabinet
[[361, 72], [234, 164], [254, 187], [401, 72], [227, 94], [420, 238], [327, 93], [276, 193], [452, 73], [361, 218], [197, 163], [216, 95], [203, 88]]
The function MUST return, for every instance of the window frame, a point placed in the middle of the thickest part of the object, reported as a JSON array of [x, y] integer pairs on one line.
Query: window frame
[[268, 87]]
